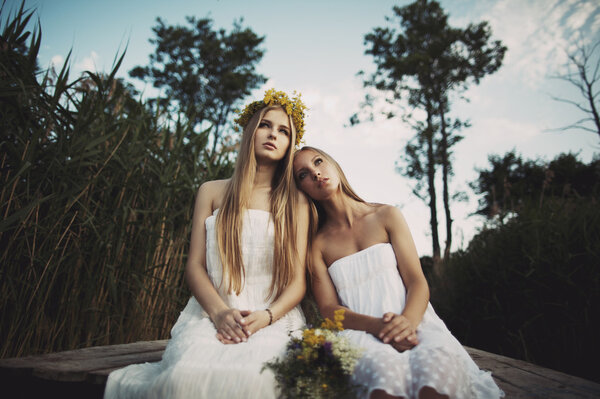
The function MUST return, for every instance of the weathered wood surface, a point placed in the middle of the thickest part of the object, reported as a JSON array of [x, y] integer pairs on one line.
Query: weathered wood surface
[[80, 373], [520, 379], [83, 373], [89, 364]]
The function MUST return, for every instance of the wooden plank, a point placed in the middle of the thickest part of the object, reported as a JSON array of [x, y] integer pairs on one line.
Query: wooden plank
[[526, 380], [86, 353], [75, 365], [78, 370], [91, 366]]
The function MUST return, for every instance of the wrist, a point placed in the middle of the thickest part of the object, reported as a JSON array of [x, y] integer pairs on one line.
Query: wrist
[[413, 320], [213, 314], [374, 325], [270, 316]]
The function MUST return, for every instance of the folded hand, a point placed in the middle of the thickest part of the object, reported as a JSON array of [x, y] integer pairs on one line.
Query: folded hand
[[230, 325], [408, 343], [398, 332], [252, 322]]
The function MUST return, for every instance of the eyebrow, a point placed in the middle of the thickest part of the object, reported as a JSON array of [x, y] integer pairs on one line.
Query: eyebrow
[[271, 122]]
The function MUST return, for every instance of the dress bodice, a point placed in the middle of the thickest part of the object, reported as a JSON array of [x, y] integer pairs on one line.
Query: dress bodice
[[257, 247], [257, 255], [368, 274]]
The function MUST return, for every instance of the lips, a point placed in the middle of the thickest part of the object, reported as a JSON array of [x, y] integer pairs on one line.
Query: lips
[[270, 146], [323, 181]]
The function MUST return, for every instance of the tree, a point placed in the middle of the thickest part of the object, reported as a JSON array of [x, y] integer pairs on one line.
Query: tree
[[505, 292], [423, 64], [510, 182], [204, 72], [535, 263], [507, 182], [585, 76]]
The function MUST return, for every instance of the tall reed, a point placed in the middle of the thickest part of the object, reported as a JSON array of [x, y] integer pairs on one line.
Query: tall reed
[[96, 196]]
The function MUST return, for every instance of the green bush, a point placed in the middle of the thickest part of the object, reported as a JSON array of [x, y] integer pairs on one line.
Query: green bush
[[530, 288]]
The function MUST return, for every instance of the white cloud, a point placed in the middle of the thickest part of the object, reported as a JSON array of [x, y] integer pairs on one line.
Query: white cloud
[[537, 33], [595, 24], [57, 61], [328, 119], [580, 15], [89, 63], [499, 132]]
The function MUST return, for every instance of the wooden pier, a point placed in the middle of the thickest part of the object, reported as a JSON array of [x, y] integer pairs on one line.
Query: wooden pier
[[82, 373]]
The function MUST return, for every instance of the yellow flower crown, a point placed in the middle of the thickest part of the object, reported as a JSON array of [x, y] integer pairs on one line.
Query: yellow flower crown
[[293, 107]]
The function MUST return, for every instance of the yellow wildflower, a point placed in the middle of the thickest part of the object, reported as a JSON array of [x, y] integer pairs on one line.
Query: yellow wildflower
[[336, 325], [293, 107], [312, 339], [328, 324]]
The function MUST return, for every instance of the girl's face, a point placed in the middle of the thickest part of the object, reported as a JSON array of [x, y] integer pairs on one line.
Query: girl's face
[[317, 177], [272, 137]]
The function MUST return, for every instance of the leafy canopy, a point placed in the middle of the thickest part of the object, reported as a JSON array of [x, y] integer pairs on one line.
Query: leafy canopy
[[204, 72]]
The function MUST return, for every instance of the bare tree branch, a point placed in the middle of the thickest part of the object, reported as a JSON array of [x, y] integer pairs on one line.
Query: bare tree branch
[[576, 104], [574, 126], [585, 80]]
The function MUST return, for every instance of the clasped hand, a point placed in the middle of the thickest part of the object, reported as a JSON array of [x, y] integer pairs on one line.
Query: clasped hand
[[398, 331], [235, 326]]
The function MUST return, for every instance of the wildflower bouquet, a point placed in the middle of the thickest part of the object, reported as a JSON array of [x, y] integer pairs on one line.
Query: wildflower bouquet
[[318, 365]]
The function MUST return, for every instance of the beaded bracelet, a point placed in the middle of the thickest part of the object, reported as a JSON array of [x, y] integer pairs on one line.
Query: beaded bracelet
[[270, 315]]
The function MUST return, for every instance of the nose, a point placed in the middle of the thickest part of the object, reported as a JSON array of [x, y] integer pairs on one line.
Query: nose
[[316, 174]]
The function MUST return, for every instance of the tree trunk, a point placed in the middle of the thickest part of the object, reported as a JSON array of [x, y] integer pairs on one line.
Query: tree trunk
[[435, 240], [445, 173], [594, 111]]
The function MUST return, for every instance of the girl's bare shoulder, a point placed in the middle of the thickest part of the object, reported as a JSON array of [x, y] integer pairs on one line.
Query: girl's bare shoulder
[[213, 192], [386, 213], [215, 185]]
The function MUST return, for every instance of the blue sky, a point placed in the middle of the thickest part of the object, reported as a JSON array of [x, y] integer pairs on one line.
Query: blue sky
[[316, 47]]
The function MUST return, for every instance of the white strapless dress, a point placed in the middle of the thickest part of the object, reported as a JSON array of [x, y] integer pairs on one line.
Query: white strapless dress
[[195, 364], [368, 282]]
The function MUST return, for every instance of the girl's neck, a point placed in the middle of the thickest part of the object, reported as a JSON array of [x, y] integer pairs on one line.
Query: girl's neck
[[342, 210], [264, 175]]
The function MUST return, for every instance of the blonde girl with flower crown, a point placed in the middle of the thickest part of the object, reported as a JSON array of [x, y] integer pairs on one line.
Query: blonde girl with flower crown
[[363, 260], [245, 270]]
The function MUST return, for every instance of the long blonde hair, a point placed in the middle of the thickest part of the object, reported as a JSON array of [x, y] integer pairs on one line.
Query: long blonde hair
[[317, 215], [284, 200]]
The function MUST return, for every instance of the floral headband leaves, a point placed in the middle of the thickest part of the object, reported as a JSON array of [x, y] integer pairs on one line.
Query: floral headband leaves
[[294, 107]]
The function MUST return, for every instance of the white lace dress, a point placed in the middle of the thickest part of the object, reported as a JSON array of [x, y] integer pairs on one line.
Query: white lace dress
[[195, 364], [368, 282]]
